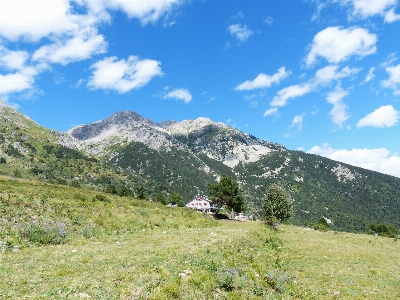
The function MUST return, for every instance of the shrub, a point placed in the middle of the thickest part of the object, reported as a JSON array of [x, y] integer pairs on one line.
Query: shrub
[[160, 199], [17, 173], [321, 224], [277, 280], [75, 183], [273, 222], [45, 234], [230, 279], [387, 230], [101, 198]]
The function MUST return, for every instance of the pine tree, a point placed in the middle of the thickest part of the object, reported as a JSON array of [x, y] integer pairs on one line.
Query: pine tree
[[226, 192]]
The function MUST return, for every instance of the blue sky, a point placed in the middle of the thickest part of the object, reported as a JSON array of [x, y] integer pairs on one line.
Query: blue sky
[[318, 76]]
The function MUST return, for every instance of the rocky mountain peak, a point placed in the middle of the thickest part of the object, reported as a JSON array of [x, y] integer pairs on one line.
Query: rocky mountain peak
[[166, 124], [119, 119], [187, 126]]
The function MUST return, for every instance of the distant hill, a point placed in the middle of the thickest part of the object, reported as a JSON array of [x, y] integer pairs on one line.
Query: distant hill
[[129, 150]]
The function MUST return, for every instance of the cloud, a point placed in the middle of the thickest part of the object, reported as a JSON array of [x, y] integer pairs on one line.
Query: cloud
[[263, 80], [379, 160], [19, 76], [15, 82], [368, 8], [179, 94], [290, 92], [394, 79], [22, 76], [329, 73], [391, 16], [67, 31], [329, 44], [36, 19], [370, 75], [384, 116], [13, 60], [148, 11], [32, 20], [123, 75], [298, 121], [339, 111], [269, 21], [322, 76], [320, 7], [78, 48], [271, 112], [296, 126], [240, 32]]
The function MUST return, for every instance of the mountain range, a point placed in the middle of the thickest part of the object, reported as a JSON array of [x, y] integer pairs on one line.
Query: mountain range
[[129, 150]]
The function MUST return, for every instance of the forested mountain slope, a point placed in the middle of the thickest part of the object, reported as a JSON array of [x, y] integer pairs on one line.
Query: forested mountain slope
[[129, 151]]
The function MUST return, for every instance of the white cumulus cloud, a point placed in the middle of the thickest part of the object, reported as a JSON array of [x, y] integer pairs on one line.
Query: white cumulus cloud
[[148, 11], [296, 126], [240, 32], [15, 82], [80, 47], [363, 9], [271, 112], [379, 159], [289, 92], [370, 75], [263, 80], [34, 19], [13, 60], [68, 31], [394, 79], [179, 94], [329, 73], [391, 16], [298, 121], [123, 75], [368, 8], [336, 44], [384, 116], [338, 112]]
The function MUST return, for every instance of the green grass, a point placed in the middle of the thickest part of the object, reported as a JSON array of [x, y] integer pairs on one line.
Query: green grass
[[343, 265], [123, 248]]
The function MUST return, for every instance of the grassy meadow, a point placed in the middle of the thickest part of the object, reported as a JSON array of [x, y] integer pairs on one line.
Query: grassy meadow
[[60, 242]]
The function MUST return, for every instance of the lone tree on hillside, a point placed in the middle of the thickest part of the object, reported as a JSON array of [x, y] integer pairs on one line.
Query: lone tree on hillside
[[278, 205], [226, 192]]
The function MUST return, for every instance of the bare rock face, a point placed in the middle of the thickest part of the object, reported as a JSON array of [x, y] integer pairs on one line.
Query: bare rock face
[[121, 128], [215, 139], [166, 124], [221, 142], [126, 118]]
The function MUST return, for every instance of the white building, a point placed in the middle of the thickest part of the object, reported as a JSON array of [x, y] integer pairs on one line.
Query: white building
[[201, 203]]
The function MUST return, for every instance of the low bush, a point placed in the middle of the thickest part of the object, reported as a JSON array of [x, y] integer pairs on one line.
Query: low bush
[[322, 224], [100, 197], [387, 230], [45, 234]]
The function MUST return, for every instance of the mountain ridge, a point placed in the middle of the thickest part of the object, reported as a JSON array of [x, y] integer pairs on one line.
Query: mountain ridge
[[128, 151]]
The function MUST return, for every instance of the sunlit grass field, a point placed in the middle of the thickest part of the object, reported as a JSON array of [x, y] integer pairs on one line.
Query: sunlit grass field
[[109, 247]]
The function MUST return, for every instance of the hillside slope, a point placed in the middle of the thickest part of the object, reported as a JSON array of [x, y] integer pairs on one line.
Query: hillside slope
[[59, 242], [128, 151]]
